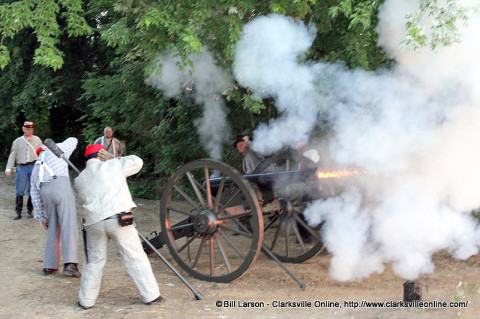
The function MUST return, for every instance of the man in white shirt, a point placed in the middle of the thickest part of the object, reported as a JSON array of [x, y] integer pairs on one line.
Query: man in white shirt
[[111, 144], [23, 153], [103, 187]]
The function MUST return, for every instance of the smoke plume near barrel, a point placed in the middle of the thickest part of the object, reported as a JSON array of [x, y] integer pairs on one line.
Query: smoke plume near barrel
[[206, 82], [414, 128]]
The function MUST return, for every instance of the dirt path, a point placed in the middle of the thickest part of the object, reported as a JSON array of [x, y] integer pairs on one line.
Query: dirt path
[[26, 293]]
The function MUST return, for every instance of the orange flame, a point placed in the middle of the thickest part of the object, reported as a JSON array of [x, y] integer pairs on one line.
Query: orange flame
[[340, 173]]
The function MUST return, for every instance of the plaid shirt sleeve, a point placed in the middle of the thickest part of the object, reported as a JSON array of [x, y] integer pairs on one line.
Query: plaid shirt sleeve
[[38, 211], [68, 146], [58, 165]]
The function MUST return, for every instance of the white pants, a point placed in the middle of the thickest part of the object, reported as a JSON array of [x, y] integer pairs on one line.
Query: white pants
[[133, 257]]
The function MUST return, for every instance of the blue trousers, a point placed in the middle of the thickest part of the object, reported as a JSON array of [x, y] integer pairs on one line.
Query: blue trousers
[[22, 179]]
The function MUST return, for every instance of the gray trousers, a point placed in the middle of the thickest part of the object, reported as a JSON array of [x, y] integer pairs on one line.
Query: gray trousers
[[131, 252], [59, 204]]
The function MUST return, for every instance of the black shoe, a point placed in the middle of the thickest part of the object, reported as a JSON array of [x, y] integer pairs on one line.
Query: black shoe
[[18, 207], [159, 299], [83, 307], [29, 215], [48, 271], [71, 270]]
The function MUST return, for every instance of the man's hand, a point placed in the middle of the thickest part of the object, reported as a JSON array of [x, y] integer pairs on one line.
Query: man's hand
[[8, 173], [44, 224], [104, 155]]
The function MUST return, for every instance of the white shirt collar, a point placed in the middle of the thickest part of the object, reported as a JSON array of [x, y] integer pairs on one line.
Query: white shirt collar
[[93, 161]]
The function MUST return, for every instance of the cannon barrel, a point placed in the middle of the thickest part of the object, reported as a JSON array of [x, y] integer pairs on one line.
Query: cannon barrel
[[287, 184], [270, 181]]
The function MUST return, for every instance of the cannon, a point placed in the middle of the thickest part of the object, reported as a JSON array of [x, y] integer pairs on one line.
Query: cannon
[[215, 221]]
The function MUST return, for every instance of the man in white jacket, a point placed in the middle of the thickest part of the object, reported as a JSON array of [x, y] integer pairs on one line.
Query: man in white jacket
[[103, 188]]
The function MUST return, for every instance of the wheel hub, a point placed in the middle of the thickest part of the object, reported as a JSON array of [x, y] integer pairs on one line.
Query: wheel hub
[[205, 222], [287, 208]]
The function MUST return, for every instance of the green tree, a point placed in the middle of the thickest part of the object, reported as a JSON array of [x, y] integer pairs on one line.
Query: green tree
[[443, 19], [47, 20], [93, 73]]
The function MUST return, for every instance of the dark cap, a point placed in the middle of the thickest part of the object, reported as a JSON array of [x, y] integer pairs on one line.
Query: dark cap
[[239, 138]]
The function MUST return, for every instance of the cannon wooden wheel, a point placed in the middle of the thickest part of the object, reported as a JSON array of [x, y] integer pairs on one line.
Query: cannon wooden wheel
[[214, 232], [287, 234]]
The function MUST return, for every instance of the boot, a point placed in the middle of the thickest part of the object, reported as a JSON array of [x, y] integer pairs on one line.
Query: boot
[[29, 207], [71, 270], [18, 207]]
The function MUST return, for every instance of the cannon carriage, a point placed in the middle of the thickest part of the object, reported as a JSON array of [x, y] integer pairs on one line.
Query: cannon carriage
[[216, 221]]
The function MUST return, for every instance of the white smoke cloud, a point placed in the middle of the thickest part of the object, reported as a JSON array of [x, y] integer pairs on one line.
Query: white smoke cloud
[[267, 63], [207, 82], [415, 128]]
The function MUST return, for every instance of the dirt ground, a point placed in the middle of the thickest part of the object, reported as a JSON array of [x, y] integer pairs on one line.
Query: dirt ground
[[26, 293]]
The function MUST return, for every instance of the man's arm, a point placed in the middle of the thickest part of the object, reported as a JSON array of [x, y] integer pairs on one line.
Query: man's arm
[[68, 146], [131, 164], [119, 147], [11, 158], [38, 212]]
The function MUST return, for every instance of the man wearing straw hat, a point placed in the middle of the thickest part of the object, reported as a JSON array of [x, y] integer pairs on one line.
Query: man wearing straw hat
[[23, 153]]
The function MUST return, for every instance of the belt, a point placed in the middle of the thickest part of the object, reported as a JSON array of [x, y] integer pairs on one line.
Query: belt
[[115, 216], [27, 163]]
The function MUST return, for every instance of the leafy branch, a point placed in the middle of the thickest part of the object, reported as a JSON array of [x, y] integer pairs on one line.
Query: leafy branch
[[435, 25]]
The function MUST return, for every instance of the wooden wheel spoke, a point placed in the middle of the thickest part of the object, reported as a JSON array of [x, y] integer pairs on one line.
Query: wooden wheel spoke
[[275, 238], [219, 193], [212, 254], [200, 250], [186, 197], [238, 192], [180, 226], [236, 231], [222, 252], [225, 237], [189, 241], [308, 228], [209, 189], [271, 222], [180, 211], [235, 216], [239, 224], [287, 235], [196, 189], [299, 238]]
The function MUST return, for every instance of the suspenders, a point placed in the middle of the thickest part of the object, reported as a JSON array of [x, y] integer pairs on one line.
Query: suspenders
[[43, 167], [111, 142]]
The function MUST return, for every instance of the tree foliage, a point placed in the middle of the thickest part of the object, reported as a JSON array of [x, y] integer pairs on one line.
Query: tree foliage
[[443, 21], [75, 67], [46, 19]]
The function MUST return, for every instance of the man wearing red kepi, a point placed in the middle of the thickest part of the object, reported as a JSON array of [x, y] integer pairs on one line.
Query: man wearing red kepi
[[23, 153], [108, 208]]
